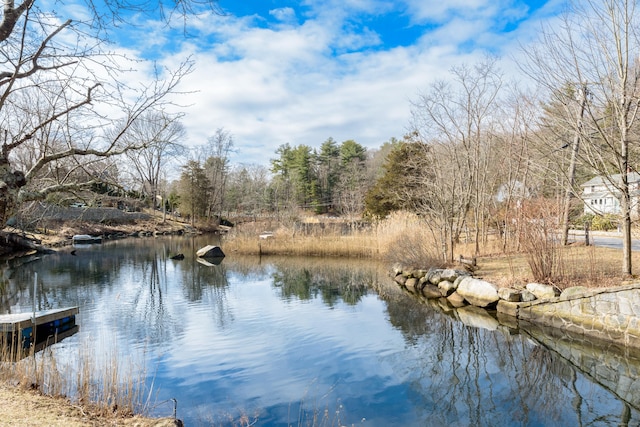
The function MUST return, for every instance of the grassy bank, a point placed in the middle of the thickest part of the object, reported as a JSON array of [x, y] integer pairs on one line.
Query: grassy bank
[[22, 407], [405, 239], [72, 385], [591, 266]]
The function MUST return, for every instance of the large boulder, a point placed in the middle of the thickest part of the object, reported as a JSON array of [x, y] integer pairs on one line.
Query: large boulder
[[210, 251], [542, 291], [411, 284], [434, 275], [418, 273], [478, 292], [400, 279], [446, 287], [431, 291], [509, 294], [451, 275]]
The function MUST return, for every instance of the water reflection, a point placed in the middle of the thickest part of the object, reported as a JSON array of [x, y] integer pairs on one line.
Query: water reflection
[[304, 281], [539, 376], [615, 368], [281, 340]]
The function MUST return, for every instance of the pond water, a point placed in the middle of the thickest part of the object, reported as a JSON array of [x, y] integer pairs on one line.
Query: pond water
[[278, 341]]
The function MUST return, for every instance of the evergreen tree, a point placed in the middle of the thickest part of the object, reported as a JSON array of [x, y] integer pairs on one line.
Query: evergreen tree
[[394, 190], [194, 187]]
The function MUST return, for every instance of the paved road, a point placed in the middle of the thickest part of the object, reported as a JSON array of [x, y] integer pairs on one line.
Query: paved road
[[605, 239]]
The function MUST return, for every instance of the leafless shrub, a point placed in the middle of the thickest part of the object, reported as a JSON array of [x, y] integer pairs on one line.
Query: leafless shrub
[[540, 240]]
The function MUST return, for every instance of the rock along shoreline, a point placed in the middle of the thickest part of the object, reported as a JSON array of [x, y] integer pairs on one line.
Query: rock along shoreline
[[608, 314]]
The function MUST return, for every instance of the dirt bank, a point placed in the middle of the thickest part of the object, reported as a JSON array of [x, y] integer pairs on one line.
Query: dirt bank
[[20, 407], [62, 234]]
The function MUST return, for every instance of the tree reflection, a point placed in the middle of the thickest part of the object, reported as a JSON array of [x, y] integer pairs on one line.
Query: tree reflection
[[464, 373], [448, 373], [332, 281]]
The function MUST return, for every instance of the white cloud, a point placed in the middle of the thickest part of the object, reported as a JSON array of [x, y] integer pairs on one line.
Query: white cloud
[[441, 11], [322, 77], [284, 14]]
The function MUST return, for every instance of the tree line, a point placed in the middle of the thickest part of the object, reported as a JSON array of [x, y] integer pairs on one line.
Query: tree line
[[482, 154]]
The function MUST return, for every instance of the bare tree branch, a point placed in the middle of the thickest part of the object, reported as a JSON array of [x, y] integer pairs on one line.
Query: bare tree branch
[[11, 15]]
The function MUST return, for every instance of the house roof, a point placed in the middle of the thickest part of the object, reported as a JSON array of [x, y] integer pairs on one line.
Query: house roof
[[601, 180]]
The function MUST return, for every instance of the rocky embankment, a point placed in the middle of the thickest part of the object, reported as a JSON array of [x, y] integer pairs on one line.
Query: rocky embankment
[[610, 314], [460, 288], [63, 236]]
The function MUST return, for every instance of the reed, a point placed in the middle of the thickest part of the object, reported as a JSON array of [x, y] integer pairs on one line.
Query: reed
[[286, 242], [402, 237], [405, 238], [115, 384], [106, 385]]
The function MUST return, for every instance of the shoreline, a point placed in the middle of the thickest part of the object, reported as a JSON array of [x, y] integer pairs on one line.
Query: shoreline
[[151, 228], [24, 407]]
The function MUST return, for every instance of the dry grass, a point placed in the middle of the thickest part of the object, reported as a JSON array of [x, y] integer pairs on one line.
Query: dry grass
[[590, 266], [401, 238], [405, 239], [359, 245], [30, 408], [102, 385]]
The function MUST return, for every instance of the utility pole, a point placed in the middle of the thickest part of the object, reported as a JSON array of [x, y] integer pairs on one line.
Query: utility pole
[[572, 166]]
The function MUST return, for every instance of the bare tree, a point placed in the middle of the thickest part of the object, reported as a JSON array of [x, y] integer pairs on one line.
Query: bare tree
[[61, 93], [514, 178], [216, 165], [161, 135], [457, 119], [597, 44]]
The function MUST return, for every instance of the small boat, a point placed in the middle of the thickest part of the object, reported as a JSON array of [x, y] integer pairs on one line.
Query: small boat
[[86, 239]]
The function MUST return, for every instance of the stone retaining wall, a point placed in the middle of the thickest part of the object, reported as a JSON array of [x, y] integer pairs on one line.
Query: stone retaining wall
[[611, 314], [60, 213], [607, 314]]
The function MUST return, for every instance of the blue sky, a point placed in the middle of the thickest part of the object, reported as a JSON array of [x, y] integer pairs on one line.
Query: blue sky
[[274, 72]]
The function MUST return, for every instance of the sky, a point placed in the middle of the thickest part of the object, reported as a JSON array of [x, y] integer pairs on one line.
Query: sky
[[274, 72]]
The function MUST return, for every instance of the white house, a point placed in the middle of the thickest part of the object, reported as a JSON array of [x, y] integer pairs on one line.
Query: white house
[[600, 197]]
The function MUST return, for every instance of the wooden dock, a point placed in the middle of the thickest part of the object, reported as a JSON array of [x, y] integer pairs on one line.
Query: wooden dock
[[21, 334]]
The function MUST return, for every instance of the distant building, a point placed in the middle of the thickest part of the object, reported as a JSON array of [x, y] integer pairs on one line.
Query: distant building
[[512, 190], [600, 197]]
